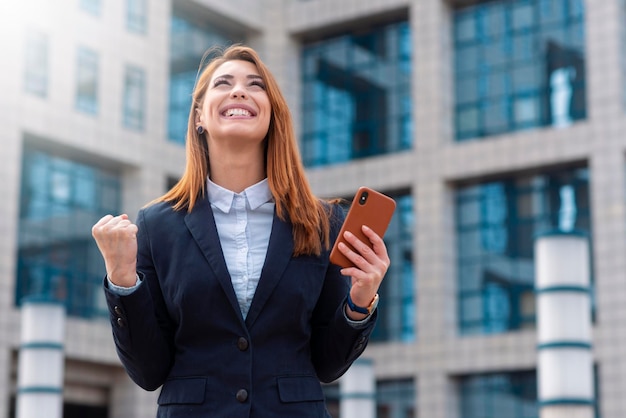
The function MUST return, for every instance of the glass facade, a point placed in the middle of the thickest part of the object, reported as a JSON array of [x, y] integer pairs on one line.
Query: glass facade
[[519, 64], [137, 16], [397, 291], [188, 44], [134, 98], [57, 257], [396, 399], [497, 222], [356, 98], [87, 81], [36, 64], [497, 395], [510, 395]]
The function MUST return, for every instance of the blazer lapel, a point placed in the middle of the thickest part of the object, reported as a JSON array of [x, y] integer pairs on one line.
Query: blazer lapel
[[279, 253], [201, 223]]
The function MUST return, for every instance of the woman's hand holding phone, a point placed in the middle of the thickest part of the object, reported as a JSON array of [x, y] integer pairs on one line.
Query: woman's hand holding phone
[[370, 266], [360, 248]]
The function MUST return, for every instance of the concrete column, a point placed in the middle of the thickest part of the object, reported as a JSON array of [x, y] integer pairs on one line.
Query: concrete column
[[357, 391], [41, 359], [565, 363]]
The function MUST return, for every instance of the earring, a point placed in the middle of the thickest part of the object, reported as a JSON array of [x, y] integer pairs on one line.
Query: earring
[[200, 130]]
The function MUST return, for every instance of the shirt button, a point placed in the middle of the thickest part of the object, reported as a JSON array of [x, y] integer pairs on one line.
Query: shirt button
[[242, 344], [242, 395]]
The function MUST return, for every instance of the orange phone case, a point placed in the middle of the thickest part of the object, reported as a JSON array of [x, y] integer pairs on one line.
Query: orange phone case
[[370, 208]]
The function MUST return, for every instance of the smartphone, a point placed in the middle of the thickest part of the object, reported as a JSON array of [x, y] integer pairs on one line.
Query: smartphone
[[370, 208]]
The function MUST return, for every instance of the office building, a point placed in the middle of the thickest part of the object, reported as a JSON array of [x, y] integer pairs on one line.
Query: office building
[[488, 122]]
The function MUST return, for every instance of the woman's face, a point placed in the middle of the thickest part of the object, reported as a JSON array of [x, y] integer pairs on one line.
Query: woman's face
[[236, 106]]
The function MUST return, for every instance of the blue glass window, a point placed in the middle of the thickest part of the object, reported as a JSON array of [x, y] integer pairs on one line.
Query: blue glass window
[[136, 15], [57, 257], [397, 291], [395, 399], [87, 81], [188, 44], [519, 64], [36, 64], [356, 95], [497, 395], [510, 395], [497, 222], [134, 98]]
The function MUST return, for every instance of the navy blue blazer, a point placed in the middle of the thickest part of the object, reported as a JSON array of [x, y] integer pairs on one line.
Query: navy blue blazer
[[182, 329]]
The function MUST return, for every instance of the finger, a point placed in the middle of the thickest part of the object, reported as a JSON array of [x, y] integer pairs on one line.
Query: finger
[[119, 219], [363, 283], [374, 238], [364, 269], [121, 224], [109, 224], [353, 256], [370, 233], [130, 230], [133, 229], [124, 227], [378, 244], [96, 230], [361, 248], [357, 275], [102, 221]]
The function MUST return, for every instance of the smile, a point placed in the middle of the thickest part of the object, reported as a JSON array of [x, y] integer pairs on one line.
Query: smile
[[236, 112]]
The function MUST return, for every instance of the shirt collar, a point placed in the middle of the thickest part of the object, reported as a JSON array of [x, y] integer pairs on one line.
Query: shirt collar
[[255, 195]]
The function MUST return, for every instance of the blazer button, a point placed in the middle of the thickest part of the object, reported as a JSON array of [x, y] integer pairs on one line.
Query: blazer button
[[242, 344], [118, 311], [242, 395], [121, 323]]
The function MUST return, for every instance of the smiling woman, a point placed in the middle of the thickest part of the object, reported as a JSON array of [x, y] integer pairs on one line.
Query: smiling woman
[[223, 293], [235, 114]]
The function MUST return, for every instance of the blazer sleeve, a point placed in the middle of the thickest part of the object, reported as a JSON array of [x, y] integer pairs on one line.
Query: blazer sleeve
[[335, 344], [142, 329]]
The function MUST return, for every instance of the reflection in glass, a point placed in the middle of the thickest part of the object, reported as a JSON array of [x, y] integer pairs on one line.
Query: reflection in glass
[[498, 395], [57, 257], [497, 223], [518, 65], [356, 95]]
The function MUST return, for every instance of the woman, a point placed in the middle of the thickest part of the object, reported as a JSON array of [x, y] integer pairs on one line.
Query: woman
[[222, 293]]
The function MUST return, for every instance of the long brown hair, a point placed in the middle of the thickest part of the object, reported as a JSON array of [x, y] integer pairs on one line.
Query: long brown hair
[[290, 189]]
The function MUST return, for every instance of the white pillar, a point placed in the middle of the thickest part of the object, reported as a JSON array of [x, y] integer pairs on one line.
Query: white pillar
[[357, 391], [41, 359], [565, 363]]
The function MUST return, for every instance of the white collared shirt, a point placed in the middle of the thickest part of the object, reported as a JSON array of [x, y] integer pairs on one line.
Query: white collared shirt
[[244, 224]]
